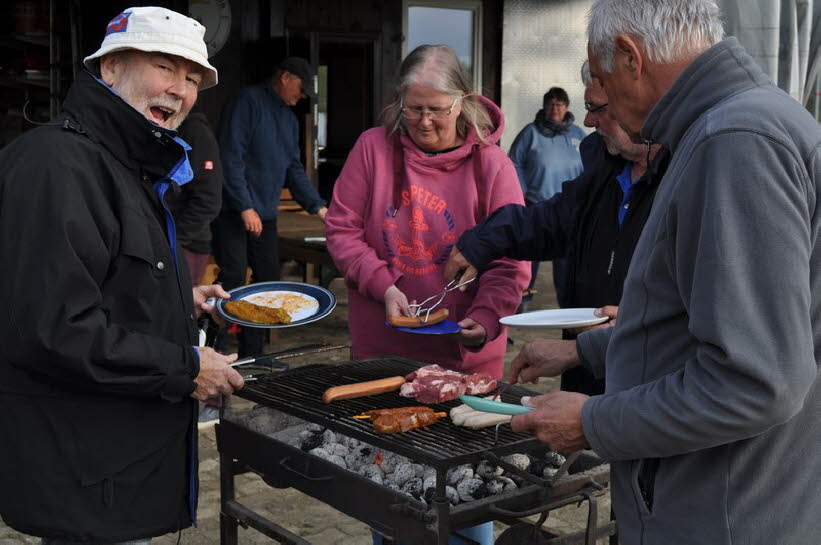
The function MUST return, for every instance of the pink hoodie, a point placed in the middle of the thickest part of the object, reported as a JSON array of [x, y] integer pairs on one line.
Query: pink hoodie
[[439, 200]]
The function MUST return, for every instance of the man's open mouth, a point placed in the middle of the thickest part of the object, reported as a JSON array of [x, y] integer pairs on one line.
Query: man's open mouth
[[161, 113]]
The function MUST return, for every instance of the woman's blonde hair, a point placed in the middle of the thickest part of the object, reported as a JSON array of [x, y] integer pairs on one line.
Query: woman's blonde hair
[[437, 66]]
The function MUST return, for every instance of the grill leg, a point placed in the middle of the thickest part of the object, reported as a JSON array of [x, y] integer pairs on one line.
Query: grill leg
[[228, 525]]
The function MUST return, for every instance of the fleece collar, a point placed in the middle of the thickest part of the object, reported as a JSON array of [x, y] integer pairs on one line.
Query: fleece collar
[[719, 73]]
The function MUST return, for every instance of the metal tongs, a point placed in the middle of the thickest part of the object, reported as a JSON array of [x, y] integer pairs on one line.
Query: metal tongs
[[417, 309]]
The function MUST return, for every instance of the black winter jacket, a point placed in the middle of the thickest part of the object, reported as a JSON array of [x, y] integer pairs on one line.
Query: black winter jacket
[[96, 358], [580, 223]]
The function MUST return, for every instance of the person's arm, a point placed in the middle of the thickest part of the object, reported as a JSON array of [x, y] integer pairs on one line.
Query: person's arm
[[359, 263], [202, 196], [518, 155], [539, 232], [741, 263], [501, 284], [53, 324], [296, 179], [237, 127], [592, 349]]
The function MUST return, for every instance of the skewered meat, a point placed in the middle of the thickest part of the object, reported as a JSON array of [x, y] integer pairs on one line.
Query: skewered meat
[[397, 411], [435, 384], [401, 419], [405, 422], [257, 313]]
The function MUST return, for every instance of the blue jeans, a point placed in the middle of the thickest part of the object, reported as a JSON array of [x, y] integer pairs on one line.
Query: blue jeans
[[50, 541], [482, 534]]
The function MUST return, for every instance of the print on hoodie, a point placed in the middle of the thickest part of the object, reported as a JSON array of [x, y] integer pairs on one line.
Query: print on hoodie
[[429, 244]]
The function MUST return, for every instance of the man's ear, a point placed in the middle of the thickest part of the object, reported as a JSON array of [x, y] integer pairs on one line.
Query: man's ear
[[629, 54], [110, 67]]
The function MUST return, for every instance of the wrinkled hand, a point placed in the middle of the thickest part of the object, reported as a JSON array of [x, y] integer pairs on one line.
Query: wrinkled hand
[[543, 358], [556, 420], [396, 303], [201, 296], [322, 212], [216, 376], [472, 334], [611, 311], [458, 264], [251, 220]]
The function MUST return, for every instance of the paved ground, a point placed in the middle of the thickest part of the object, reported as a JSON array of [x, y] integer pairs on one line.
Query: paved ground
[[299, 513]]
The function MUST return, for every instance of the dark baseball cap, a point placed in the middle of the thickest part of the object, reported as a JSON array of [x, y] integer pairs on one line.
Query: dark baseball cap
[[303, 70]]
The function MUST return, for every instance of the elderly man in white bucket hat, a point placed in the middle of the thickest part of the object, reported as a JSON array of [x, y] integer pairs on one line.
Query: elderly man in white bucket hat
[[99, 374]]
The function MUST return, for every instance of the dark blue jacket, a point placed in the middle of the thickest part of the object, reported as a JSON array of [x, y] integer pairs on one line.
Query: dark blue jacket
[[580, 223], [258, 137]]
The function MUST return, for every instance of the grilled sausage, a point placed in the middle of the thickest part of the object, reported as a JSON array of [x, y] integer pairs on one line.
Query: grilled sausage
[[362, 389], [405, 321]]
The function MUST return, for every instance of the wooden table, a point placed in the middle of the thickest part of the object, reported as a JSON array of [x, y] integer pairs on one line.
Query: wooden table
[[292, 228]]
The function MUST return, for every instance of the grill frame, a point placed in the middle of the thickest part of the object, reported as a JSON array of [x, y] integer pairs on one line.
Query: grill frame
[[396, 516]]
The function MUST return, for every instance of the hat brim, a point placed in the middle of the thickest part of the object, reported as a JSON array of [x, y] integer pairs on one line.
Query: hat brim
[[209, 76]]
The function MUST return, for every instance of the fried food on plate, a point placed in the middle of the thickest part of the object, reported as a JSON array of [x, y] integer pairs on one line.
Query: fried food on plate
[[257, 313]]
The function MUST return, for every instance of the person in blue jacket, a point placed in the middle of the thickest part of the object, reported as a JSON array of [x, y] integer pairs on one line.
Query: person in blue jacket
[[546, 153], [258, 138]]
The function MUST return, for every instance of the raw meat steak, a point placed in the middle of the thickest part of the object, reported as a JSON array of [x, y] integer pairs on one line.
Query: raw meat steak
[[435, 384]]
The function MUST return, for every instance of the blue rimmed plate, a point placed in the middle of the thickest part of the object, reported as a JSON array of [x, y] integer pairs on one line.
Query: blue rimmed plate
[[490, 406], [310, 302], [446, 327]]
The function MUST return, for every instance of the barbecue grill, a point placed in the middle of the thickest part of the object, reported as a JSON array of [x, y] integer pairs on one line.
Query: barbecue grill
[[298, 393]]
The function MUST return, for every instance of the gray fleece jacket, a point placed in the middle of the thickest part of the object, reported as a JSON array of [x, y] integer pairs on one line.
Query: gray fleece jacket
[[712, 415]]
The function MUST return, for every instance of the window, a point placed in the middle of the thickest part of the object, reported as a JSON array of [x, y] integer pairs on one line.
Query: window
[[457, 23]]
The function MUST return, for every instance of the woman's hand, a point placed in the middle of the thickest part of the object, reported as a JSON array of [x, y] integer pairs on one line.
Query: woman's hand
[[472, 334], [396, 303]]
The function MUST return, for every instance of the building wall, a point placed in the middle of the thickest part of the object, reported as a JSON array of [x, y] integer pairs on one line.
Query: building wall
[[543, 45]]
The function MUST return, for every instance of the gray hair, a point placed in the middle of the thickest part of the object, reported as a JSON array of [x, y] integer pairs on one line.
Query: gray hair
[[587, 79], [671, 30], [438, 67]]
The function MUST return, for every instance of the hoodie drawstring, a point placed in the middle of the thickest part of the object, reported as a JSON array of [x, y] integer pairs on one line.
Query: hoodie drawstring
[[399, 178]]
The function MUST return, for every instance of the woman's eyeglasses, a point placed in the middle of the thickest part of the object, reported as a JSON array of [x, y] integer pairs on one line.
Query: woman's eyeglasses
[[415, 113]]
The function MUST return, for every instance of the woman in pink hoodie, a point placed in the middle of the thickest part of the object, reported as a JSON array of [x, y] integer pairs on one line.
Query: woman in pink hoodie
[[408, 190]]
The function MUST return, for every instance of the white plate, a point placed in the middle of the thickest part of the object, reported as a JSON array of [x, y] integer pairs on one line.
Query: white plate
[[305, 303], [558, 318]]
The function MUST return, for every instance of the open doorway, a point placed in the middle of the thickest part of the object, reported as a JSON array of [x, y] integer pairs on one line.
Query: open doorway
[[347, 103]]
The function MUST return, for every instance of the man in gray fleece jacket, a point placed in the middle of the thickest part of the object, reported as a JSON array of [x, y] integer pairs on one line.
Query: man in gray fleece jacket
[[712, 415]]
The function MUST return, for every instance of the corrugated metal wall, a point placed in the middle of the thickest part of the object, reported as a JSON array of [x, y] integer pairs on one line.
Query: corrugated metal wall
[[543, 45]]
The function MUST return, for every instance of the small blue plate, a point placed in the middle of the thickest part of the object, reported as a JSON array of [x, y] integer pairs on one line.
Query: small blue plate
[[325, 299], [497, 407], [446, 327]]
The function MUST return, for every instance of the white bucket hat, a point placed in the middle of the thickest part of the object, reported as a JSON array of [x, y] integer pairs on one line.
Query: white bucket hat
[[154, 29]]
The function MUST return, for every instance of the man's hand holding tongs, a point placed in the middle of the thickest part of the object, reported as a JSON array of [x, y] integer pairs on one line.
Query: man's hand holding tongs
[[459, 267]]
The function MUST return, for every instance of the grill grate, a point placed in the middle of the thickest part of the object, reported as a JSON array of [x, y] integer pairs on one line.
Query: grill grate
[[299, 392]]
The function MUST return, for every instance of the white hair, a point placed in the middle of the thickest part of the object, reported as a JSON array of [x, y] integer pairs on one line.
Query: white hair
[[587, 79], [670, 30]]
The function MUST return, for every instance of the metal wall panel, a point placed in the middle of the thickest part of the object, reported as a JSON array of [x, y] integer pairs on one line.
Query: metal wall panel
[[544, 44]]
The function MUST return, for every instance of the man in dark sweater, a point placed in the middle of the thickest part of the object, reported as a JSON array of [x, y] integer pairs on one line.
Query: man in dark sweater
[[595, 221], [197, 203], [258, 138]]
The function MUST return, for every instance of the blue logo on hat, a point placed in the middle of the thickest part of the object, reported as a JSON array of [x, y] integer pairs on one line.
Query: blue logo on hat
[[118, 24]]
